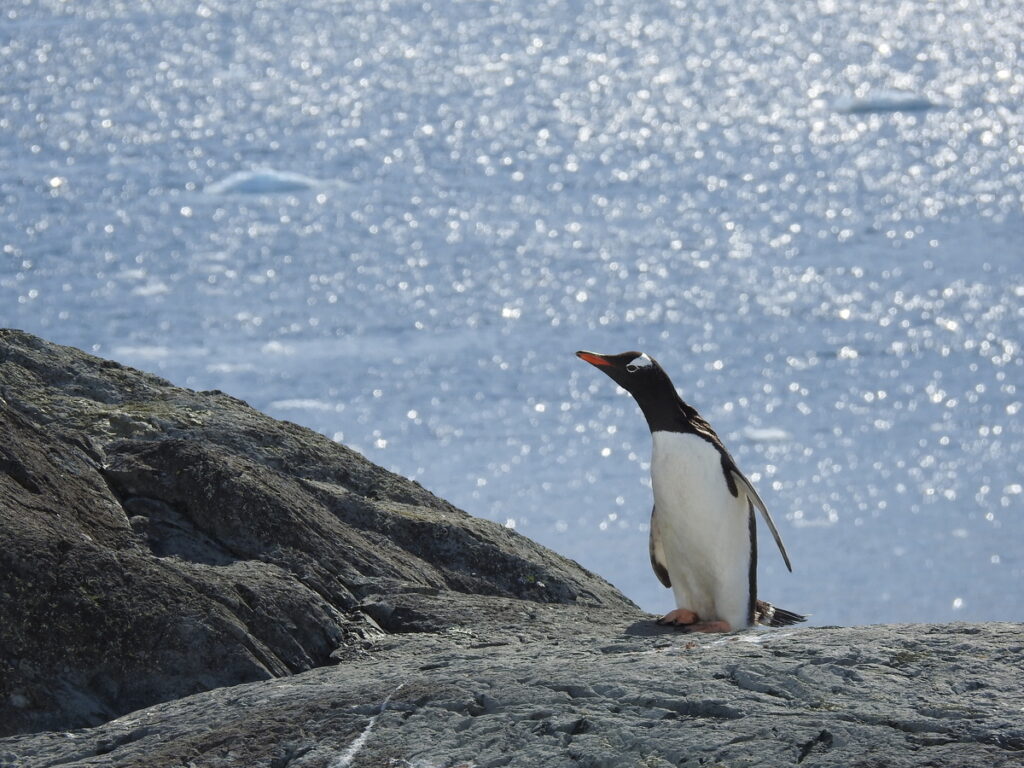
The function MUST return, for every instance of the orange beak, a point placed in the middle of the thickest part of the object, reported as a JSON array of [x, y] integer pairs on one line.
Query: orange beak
[[593, 359]]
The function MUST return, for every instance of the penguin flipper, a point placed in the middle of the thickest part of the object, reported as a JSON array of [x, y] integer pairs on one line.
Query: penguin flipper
[[658, 552], [752, 495]]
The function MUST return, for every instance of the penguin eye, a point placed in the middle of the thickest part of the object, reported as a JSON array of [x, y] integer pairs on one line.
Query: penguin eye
[[641, 361]]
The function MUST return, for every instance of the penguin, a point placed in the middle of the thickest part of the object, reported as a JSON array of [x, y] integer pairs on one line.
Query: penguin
[[703, 542]]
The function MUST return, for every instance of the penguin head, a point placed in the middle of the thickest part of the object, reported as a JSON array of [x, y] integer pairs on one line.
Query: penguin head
[[650, 386], [636, 372]]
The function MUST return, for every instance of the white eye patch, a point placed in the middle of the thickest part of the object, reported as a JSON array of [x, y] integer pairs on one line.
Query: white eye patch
[[639, 362]]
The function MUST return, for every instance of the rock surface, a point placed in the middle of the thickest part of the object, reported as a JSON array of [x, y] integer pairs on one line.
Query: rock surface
[[611, 694], [156, 542], [252, 594]]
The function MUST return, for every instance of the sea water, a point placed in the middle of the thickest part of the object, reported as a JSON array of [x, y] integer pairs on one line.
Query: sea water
[[395, 222]]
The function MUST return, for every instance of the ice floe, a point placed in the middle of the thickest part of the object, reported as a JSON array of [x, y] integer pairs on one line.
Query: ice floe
[[265, 181], [882, 101], [765, 434]]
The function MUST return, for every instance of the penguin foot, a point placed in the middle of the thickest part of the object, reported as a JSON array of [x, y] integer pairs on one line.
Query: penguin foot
[[710, 626], [679, 617]]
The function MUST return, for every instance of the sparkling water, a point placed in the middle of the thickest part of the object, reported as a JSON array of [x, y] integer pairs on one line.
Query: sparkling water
[[395, 222]]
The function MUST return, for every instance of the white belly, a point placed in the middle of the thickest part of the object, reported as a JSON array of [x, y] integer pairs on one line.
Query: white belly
[[703, 529]]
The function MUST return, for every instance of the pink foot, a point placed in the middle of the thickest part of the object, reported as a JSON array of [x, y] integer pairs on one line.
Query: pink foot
[[710, 626], [679, 617]]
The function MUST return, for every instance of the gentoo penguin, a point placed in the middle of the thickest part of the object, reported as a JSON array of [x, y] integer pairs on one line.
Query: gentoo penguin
[[703, 532]]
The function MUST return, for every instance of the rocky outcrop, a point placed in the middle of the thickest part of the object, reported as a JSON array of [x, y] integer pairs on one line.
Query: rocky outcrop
[[593, 692], [207, 586], [156, 542]]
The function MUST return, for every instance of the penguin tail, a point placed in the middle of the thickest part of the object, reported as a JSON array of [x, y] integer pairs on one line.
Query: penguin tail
[[770, 616]]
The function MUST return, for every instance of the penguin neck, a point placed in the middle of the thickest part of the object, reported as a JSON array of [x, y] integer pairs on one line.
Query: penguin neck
[[665, 411]]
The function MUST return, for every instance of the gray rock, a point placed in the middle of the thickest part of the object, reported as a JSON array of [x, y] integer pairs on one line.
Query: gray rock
[[156, 542], [611, 693], [237, 591]]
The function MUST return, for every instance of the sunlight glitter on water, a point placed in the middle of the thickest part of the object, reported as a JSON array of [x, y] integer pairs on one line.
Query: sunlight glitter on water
[[810, 214]]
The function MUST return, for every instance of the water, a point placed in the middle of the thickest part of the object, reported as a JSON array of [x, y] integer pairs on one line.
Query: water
[[396, 222]]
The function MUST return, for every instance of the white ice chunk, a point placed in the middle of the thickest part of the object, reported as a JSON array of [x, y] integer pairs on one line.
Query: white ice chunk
[[262, 181], [304, 404], [882, 101], [765, 434], [141, 352]]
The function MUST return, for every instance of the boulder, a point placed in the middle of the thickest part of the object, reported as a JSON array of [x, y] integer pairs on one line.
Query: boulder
[[156, 542]]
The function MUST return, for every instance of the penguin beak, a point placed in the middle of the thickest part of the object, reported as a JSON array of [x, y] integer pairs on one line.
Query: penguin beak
[[595, 359]]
